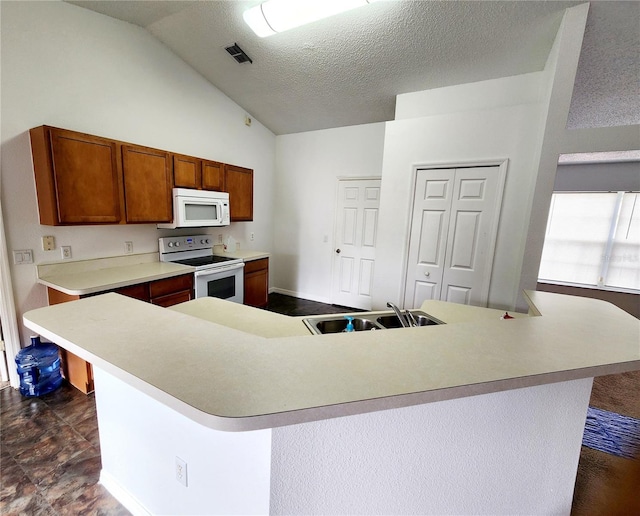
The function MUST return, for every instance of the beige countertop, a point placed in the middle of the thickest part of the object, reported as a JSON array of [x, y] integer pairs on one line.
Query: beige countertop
[[232, 380], [244, 318], [247, 256], [89, 276]]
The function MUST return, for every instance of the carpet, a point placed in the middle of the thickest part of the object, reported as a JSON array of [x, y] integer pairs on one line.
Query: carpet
[[612, 433]]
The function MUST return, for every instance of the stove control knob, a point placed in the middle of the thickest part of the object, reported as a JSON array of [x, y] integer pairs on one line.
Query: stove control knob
[[177, 244], [170, 244], [205, 241]]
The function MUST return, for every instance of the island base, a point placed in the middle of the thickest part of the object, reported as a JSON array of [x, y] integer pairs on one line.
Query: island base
[[511, 452]]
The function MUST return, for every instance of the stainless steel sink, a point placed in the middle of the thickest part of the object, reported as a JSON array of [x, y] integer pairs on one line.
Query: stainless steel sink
[[392, 321], [364, 321], [339, 325]]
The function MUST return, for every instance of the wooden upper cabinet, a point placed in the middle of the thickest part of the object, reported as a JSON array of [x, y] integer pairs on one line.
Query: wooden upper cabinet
[[187, 171], [212, 176], [77, 177], [238, 181], [86, 179], [147, 184], [190, 172]]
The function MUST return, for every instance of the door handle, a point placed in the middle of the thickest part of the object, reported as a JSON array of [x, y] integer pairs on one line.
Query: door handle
[[427, 274], [338, 251]]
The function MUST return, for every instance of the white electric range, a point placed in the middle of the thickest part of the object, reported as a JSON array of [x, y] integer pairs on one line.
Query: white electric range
[[214, 276]]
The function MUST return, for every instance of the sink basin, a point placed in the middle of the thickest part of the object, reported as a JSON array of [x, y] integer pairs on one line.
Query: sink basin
[[364, 321], [392, 321], [335, 325]]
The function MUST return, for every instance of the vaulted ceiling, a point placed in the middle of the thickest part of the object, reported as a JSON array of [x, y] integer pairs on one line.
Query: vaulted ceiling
[[347, 70]]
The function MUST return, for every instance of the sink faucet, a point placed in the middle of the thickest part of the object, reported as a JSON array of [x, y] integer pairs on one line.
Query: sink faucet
[[403, 321]]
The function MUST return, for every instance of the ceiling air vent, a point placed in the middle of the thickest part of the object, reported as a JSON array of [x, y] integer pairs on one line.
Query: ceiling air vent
[[238, 54]]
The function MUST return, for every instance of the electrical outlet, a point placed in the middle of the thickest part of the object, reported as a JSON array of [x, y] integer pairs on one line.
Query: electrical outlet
[[181, 471], [66, 252], [48, 243], [251, 236], [128, 248], [220, 238]]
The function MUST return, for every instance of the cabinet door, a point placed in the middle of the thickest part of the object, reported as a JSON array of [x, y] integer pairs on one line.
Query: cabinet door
[[83, 175], [256, 283], [238, 182], [147, 184], [139, 291], [212, 176], [186, 171]]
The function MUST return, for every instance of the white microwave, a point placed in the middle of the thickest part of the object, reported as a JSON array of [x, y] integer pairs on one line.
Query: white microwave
[[198, 208]]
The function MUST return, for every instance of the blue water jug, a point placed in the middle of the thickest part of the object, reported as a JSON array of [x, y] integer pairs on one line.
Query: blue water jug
[[39, 368]]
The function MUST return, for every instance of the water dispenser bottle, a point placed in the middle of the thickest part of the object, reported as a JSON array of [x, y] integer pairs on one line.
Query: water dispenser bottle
[[38, 368]]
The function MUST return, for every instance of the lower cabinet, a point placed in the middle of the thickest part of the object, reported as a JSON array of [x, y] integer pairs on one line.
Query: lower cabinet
[[256, 282], [171, 291], [164, 292]]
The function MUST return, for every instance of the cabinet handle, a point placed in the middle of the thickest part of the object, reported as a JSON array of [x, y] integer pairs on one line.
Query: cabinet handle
[[338, 251], [427, 274]]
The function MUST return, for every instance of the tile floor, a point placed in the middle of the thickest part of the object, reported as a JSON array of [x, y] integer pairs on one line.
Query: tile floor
[[50, 455], [49, 446]]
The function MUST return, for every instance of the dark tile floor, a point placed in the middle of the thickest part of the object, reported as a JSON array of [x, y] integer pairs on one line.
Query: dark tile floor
[[294, 306], [50, 455], [49, 446]]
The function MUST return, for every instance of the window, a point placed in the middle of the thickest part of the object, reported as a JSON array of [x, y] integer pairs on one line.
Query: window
[[593, 239]]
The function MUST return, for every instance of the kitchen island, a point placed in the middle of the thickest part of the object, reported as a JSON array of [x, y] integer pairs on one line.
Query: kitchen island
[[478, 415]]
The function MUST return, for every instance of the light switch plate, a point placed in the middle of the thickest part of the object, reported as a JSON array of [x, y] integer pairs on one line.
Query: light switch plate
[[22, 256]]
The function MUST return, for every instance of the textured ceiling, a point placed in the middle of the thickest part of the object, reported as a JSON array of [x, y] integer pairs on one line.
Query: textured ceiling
[[347, 69]]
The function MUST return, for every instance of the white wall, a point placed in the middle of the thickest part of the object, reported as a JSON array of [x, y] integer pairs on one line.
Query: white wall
[[560, 69], [511, 452], [69, 67], [308, 165], [477, 135], [227, 472], [517, 118]]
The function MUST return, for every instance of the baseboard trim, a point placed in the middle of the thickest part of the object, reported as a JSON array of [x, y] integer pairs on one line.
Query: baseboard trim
[[122, 495]]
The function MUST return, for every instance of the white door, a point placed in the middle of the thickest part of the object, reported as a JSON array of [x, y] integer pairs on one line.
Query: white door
[[453, 231], [355, 242], [428, 237]]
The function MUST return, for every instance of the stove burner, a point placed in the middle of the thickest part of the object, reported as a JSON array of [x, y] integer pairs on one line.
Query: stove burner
[[204, 260]]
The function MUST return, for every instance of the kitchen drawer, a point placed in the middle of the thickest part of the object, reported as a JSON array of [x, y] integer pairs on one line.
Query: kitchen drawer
[[167, 286], [256, 265], [172, 299]]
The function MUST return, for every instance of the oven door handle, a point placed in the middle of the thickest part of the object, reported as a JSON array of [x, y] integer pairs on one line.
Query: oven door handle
[[216, 270]]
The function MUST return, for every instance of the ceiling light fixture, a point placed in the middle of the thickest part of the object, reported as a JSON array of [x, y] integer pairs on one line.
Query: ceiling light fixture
[[276, 16]]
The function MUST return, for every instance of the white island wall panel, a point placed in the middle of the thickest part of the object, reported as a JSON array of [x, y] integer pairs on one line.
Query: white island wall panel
[[511, 452], [227, 472]]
